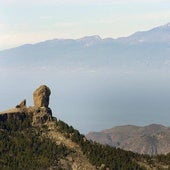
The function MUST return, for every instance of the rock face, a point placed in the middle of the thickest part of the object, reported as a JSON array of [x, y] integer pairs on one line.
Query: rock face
[[16, 115], [41, 96], [40, 115]]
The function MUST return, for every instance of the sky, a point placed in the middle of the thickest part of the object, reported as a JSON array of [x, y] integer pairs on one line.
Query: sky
[[31, 21]]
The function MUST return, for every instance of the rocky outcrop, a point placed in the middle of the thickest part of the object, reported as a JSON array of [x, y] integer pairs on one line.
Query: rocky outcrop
[[41, 96], [41, 115], [22, 104], [40, 118], [40, 112]]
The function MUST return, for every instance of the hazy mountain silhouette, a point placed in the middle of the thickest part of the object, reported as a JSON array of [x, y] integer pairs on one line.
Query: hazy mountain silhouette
[[150, 47], [159, 34]]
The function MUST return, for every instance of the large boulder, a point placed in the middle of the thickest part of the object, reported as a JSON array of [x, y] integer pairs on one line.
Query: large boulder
[[41, 96]]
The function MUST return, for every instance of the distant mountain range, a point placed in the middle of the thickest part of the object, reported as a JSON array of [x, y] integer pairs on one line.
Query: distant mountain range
[[156, 35], [151, 48], [152, 139]]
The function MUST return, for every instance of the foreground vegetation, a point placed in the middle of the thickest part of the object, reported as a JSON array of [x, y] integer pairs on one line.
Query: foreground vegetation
[[22, 146]]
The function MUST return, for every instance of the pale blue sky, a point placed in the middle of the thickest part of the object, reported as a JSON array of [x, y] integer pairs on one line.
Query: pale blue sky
[[23, 21]]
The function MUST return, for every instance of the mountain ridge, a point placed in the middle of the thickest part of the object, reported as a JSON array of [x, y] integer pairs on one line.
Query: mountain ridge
[[154, 138], [93, 51], [96, 38]]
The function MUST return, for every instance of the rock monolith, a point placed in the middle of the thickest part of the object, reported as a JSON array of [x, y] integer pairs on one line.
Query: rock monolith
[[41, 96]]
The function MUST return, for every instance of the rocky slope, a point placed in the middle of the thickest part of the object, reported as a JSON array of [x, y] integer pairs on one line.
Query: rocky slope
[[152, 139]]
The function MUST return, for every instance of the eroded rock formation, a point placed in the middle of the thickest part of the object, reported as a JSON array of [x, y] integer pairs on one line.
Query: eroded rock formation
[[41, 96], [22, 104], [40, 112]]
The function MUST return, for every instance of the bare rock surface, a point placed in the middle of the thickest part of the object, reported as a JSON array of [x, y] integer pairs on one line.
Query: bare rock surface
[[41, 96], [22, 104]]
